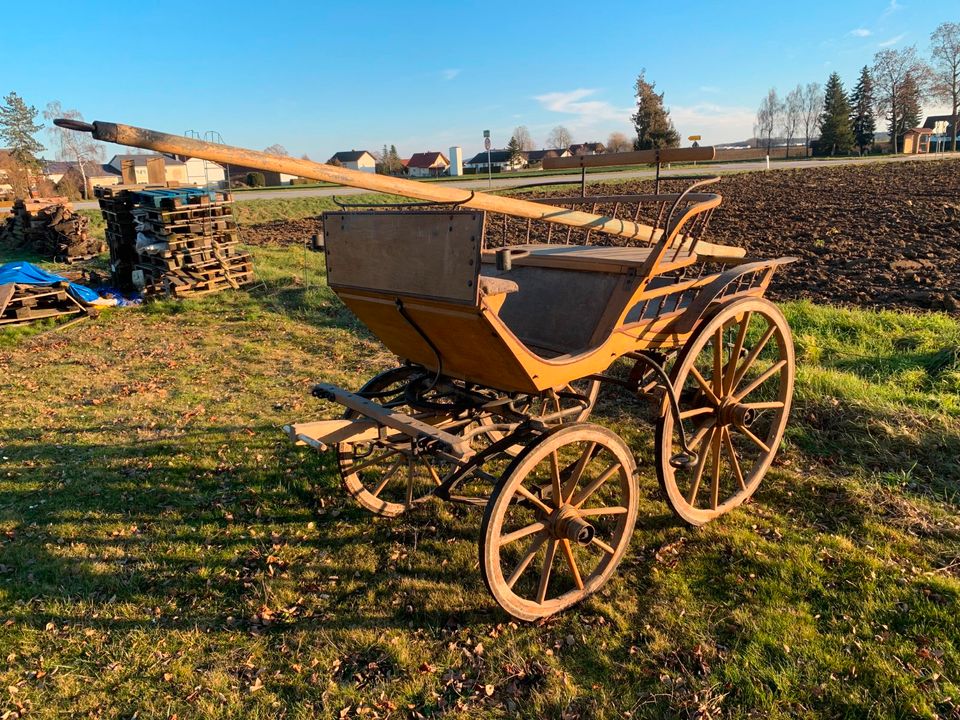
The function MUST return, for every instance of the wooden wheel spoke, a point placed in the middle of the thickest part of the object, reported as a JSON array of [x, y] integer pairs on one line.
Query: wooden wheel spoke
[[546, 569], [522, 491], [771, 405], [698, 436], [603, 546], [410, 476], [434, 475], [735, 353], [704, 385], [369, 463], [555, 484], [734, 462], [525, 561], [756, 441], [698, 472], [613, 510], [695, 412], [577, 472], [568, 554], [753, 355], [522, 533], [591, 487], [766, 375], [718, 362], [715, 446], [391, 471]]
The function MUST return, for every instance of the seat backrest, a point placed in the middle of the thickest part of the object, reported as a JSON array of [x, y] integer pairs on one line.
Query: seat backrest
[[428, 254]]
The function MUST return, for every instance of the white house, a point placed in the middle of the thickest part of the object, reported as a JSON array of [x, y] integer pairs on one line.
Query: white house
[[355, 160], [427, 164]]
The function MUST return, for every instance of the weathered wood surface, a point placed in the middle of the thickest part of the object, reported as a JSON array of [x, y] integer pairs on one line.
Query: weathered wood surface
[[432, 192]]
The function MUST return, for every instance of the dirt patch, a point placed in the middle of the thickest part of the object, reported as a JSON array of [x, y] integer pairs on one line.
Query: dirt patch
[[282, 232]]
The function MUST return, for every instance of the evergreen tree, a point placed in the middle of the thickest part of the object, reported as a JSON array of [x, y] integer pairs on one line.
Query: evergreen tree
[[516, 152], [910, 110], [395, 165], [17, 128], [862, 121], [652, 121], [836, 135]]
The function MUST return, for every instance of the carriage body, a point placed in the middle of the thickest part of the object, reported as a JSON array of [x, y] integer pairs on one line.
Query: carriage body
[[506, 329]]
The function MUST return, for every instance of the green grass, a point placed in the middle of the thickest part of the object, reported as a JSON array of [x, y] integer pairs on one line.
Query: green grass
[[165, 551]]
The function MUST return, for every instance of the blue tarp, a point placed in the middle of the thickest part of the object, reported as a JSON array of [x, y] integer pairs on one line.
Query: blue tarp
[[24, 273]]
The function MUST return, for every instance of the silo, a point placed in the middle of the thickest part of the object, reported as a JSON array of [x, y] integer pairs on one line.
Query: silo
[[456, 160]]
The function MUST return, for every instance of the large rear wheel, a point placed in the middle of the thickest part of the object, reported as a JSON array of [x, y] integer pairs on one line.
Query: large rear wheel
[[734, 381]]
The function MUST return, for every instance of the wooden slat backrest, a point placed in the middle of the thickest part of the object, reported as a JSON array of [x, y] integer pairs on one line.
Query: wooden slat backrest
[[425, 254]]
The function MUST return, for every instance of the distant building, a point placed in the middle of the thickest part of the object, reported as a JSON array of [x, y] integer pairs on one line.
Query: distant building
[[916, 141], [355, 160], [587, 149], [945, 140], [500, 161], [427, 164], [535, 157], [174, 170]]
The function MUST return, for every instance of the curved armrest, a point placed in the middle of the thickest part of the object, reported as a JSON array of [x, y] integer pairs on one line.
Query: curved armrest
[[714, 288]]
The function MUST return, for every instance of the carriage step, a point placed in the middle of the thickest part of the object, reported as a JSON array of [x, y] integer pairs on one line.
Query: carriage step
[[323, 434], [456, 447]]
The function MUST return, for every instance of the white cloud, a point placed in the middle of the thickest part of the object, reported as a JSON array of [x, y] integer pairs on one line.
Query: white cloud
[[592, 119], [891, 8], [712, 89], [861, 32], [573, 103], [892, 41], [716, 123], [450, 73]]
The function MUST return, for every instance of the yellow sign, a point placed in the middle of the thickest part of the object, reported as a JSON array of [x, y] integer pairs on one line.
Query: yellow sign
[[694, 137]]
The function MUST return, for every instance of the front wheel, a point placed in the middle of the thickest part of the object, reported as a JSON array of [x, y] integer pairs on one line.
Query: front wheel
[[734, 382], [559, 520]]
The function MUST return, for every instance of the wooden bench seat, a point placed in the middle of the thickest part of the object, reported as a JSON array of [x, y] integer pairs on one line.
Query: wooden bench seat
[[593, 258]]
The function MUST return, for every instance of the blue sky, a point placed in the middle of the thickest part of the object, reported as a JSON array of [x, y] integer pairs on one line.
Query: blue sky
[[318, 77]]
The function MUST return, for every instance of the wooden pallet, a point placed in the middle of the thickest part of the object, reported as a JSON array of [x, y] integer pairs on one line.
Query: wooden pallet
[[28, 303]]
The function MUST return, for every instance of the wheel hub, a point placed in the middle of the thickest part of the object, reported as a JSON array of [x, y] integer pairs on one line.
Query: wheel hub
[[730, 412], [566, 523]]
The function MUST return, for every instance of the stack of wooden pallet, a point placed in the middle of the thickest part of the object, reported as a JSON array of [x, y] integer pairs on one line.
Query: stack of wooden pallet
[[116, 206], [49, 227], [26, 303], [173, 241], [187, 243]]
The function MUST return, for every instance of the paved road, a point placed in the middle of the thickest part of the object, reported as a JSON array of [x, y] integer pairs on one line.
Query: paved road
[[509, 182]]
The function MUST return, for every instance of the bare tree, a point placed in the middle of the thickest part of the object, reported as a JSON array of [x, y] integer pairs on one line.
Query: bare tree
[[276, 149], [945, 51], [522, 136], [559, 138], [768, 115], [618, 142], [792, 115], [892, 69], [73, 146], [811, 109]]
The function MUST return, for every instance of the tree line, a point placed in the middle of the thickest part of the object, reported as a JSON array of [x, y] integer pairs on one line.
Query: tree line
[[893, 88]]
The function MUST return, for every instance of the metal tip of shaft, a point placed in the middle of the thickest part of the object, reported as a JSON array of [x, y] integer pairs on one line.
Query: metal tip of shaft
[[73, 124]]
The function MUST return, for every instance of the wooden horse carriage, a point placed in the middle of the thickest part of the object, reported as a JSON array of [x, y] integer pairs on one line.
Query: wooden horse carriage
[[509, 318]]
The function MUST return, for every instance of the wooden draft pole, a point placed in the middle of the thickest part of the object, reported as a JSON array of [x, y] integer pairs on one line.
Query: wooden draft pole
[[431, 192]]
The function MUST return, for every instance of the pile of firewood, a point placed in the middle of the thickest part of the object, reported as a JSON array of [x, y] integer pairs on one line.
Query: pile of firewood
[[50, 228], [174, 241]]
